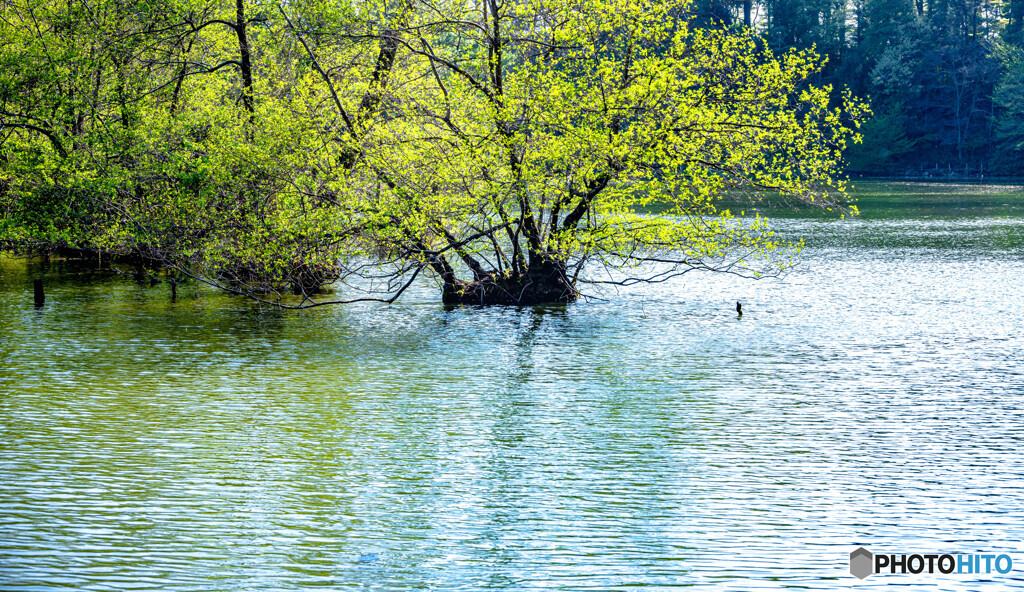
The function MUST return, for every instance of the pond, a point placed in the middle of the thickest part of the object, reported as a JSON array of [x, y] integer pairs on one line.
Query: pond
[[873, 396]]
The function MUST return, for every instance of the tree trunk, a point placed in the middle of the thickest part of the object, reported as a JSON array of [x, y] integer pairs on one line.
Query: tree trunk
[[545, 282], [246, 64]]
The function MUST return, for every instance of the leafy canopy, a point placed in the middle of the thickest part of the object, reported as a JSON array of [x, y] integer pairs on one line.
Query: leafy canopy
[[508, 150]]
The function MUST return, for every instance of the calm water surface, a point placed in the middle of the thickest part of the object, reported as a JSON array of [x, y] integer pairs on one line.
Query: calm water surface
[[873, 396]]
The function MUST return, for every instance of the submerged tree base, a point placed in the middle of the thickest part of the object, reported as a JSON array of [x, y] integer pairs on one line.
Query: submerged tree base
[[541, 284]]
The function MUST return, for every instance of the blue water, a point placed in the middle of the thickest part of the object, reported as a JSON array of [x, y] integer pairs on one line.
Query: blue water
[[872, 396]]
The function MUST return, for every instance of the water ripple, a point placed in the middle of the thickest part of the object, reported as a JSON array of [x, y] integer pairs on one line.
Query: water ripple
[[872, 397]]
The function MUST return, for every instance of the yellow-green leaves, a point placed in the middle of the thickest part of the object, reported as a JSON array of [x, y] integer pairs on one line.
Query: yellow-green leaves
[[468, 140]]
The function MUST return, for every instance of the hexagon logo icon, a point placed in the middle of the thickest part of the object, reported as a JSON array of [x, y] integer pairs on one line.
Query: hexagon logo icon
[[861, 561]]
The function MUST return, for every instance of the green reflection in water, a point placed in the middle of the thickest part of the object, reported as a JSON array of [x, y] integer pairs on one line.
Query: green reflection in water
[[870, 397]]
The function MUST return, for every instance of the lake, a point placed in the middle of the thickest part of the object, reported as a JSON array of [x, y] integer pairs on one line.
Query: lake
[[872, 396]]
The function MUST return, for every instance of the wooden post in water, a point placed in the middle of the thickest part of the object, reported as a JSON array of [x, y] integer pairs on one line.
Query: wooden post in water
[[40, 298], [174, 289]]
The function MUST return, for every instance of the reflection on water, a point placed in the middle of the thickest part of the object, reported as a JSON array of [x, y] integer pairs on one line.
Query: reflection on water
[[872, 396]]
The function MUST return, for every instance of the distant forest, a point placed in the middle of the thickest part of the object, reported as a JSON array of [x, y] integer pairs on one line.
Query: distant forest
[[945, 77]]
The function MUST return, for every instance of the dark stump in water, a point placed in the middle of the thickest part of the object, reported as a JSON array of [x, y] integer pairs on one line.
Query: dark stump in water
[[545, 283], [307, 279]]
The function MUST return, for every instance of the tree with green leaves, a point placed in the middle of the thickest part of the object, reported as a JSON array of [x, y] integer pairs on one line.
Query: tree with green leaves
[[512, 152], [541, 134], [1009, 100]]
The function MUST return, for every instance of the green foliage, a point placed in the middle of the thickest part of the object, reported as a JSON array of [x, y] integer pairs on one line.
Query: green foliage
[[936, 61], [267, 148], [884, 143], [1009, 100]]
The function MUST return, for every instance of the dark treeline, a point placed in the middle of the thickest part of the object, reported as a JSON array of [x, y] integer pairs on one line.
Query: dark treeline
[[945, 77]]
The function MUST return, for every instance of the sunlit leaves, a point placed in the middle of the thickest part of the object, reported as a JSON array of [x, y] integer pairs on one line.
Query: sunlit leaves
[[466, 138]]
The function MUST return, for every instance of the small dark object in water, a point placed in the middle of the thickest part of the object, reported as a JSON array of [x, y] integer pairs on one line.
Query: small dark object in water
[[739, 309], [40, 298], [174, 289]]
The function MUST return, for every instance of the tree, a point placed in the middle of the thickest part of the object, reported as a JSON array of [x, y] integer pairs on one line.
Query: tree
[[1009, 100], [539, 132], [885, 143], [512, 151], [135, 131]]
